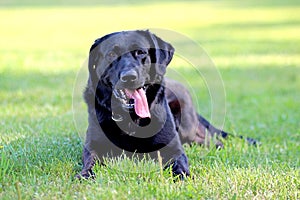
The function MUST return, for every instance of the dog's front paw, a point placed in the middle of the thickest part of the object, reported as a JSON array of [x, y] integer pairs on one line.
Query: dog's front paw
[[85, 175], [180, 167]]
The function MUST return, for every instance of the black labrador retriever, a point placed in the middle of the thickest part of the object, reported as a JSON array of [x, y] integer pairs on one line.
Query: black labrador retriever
[[134, 109]]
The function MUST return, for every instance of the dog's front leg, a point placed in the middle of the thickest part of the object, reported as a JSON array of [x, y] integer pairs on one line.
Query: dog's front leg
[[180, 166], [89, 160], [173, 153], [174, 156]]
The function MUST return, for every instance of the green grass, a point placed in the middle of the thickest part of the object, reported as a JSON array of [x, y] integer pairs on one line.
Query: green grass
[[256, 48]]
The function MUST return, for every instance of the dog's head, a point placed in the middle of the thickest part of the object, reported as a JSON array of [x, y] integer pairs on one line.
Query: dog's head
[[127, 63]]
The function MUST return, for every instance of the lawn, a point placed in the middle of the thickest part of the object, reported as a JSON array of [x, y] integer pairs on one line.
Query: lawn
[[255, 48]]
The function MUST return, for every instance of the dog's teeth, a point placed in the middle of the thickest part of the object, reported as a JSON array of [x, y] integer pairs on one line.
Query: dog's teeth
[[123, 101], [123, 94]]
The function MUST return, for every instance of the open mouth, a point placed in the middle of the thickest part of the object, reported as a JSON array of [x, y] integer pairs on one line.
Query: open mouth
[[134, 99]]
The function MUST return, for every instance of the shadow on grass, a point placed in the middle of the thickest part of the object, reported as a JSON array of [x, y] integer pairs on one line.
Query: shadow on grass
[[32, 80], [42, 155]]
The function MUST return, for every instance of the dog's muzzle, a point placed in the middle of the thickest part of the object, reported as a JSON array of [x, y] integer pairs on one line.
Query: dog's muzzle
[[133, 100]]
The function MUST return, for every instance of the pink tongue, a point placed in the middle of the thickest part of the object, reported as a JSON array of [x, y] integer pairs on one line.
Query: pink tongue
[[140, 102]]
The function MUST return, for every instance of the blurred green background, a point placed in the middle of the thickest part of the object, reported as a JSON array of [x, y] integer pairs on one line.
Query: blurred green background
[[254, 44]]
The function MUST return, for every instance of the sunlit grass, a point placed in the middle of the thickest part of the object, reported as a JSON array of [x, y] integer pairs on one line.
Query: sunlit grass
[[254, 45], [257, 60], [73, 28]]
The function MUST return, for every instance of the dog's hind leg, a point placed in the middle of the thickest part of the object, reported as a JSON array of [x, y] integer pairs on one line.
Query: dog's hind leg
[[205, 125]]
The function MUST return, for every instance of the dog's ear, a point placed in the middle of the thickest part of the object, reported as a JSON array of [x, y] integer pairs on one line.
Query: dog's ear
[[161, 54], [94, 58]]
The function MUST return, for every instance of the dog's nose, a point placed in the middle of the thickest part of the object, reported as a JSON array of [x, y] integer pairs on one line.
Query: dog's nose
[[128, 76]]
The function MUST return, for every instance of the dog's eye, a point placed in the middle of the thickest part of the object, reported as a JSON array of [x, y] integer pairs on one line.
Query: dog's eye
[[140, 53], [111, 55]]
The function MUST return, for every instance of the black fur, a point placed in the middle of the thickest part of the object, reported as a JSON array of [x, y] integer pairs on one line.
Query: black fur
[[113, 129]]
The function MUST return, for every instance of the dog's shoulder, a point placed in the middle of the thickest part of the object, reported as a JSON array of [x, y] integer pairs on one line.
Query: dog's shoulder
[[88, 95]]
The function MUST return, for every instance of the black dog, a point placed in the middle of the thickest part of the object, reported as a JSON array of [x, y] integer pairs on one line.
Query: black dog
[[133, 109]]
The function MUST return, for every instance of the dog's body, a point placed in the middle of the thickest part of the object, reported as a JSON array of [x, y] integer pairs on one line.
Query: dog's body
[[133, 109]]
